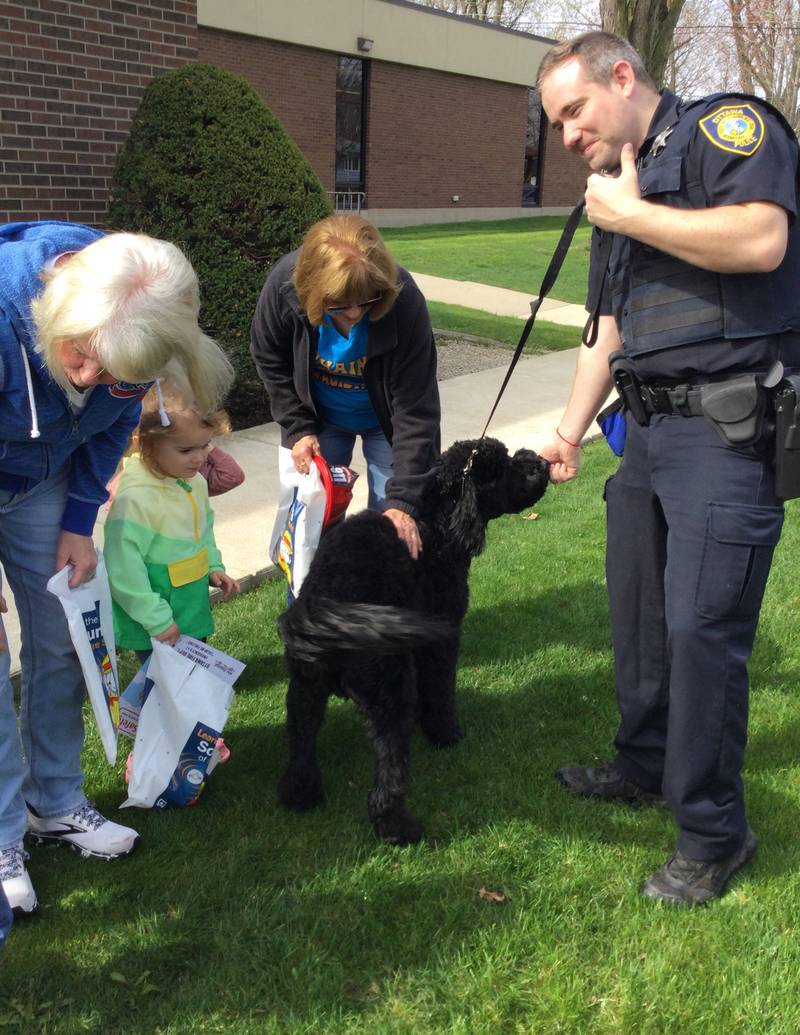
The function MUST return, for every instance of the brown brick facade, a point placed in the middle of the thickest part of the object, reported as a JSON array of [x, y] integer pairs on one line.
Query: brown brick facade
[[298, 85], [431, 135], [72, 77], [73, 73]]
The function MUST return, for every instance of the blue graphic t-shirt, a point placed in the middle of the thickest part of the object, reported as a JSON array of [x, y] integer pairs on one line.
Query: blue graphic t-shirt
[[338, 387]]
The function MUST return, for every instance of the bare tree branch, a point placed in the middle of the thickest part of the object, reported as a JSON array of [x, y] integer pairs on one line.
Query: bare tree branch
[[511, 14], [694, 47], [766, 34]]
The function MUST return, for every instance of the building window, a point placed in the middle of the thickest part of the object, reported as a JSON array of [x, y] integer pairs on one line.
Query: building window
[[533, 151], [350, 123]]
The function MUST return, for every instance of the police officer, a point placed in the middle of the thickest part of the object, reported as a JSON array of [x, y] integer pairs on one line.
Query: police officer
[[694, 273]]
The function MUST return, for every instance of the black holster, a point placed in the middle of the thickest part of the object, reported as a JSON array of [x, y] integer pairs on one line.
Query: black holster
[[787, 438], [628, 386]]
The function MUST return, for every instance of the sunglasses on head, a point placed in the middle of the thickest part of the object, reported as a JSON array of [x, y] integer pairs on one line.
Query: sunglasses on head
[[354, 305]]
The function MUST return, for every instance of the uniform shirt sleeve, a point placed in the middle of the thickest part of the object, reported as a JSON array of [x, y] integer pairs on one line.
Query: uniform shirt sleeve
[[731, 177]]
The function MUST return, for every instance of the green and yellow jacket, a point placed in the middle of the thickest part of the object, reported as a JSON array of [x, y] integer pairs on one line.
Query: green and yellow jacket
[[159, 551]]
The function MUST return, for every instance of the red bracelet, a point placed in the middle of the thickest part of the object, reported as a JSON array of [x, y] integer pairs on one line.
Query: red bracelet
[[575, 445]]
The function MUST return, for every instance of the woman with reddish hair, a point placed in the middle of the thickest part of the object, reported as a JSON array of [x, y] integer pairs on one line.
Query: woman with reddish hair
[[342, 339]]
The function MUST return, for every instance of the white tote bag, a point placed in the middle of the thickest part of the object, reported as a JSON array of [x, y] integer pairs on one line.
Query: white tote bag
[[302, 502], [88, 611], [179, 724]]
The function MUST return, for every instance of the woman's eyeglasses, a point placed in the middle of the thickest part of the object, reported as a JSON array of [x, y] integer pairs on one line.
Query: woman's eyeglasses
[[355, 305]]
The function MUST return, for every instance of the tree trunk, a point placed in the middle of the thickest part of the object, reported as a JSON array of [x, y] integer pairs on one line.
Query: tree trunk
[[649, 25]]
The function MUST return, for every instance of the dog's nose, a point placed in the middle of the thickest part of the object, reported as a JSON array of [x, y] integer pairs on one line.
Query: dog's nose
[[530, 458]]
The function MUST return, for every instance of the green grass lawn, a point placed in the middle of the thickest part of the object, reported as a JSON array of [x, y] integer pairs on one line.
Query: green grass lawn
[[519, 912], [545, 337], [509, 253]]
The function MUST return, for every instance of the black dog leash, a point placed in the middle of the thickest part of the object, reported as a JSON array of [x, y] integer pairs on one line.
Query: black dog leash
[[553, 269]]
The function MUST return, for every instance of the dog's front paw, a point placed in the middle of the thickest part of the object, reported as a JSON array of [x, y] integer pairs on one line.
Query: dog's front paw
[[399, 828], [444, 736], [300, 790]]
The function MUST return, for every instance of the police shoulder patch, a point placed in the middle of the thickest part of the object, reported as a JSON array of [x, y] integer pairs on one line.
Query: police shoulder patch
[[734, 127]]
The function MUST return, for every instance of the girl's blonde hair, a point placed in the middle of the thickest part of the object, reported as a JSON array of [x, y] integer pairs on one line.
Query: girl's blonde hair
[[151, 428], [343, 259], [137, 300]]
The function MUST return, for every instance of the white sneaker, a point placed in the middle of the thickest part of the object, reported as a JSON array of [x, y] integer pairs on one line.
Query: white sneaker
[[15, 880], [86, 831]]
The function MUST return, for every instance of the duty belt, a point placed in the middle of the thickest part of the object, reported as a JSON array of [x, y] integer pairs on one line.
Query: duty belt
[[683, 400], [744, 409], [735, 404]]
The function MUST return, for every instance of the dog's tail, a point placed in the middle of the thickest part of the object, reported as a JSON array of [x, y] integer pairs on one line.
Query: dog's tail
[[319, 629]]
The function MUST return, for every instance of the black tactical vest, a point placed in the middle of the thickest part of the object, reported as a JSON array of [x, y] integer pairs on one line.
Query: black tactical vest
[[662, 302]]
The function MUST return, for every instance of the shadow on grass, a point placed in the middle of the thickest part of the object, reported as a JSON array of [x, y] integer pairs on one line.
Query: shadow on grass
[[296, 951], [563, 615], [240, 912], [262, 670], [239, 915], [769, 667], [539, 719]]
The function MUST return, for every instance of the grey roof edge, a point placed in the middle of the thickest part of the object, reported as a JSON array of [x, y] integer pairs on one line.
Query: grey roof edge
[[471, 21]]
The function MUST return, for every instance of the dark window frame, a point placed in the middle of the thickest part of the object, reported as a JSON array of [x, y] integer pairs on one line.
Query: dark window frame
[[363, 94], [539, 161]]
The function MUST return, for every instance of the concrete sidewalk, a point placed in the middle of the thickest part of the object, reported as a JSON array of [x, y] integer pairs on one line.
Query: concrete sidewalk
[[526, 416], [498, 300]]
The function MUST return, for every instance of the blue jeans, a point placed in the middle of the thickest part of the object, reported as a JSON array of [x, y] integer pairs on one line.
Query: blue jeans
[[337, 445], [49, 776]]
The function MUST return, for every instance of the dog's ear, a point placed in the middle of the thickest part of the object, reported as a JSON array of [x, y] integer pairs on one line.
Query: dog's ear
[[453, 464], [466, 524]]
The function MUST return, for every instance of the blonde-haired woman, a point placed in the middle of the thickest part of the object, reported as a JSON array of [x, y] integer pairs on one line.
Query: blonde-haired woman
[[87, 322], [342, 340]]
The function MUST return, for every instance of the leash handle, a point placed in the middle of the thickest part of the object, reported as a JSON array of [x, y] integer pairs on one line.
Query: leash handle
[[549, 279]]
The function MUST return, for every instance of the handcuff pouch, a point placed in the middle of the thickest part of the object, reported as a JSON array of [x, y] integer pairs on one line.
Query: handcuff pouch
[[737, 409]]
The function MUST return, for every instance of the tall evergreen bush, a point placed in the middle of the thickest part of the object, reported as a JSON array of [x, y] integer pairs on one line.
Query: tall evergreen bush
[[209, 167]]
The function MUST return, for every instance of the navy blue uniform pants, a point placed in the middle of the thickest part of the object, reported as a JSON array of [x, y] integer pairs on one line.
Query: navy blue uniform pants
[[692, 526]]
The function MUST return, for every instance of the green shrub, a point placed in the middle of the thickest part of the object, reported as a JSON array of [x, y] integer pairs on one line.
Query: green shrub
[[208, 166]]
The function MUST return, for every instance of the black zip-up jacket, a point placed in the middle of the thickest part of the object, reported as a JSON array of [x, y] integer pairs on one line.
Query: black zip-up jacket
[[400, 374]]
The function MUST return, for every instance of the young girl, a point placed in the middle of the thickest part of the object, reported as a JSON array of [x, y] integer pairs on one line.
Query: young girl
[[159, 541]]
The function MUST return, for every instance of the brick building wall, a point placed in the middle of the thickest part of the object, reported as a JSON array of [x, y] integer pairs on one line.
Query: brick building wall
[[72, 77], [298, 85], [431, 135], [563, 173], [73, 73]]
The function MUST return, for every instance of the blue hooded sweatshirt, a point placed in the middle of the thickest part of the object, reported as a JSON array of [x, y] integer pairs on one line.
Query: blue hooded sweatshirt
[[39, 432]]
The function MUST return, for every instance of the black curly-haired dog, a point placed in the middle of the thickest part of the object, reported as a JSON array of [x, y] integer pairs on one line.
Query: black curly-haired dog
[[372, 624]]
